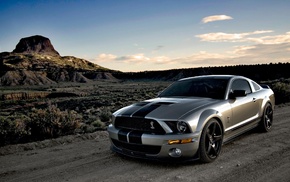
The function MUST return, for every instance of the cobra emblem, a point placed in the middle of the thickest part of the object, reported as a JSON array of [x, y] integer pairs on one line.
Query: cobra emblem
[[152, 125]]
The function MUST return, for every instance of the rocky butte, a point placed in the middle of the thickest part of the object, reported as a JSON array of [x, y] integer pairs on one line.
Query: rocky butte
[[34, 61], [35, 45]]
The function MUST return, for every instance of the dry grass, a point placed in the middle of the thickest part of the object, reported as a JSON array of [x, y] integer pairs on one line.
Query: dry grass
[[87, 112]]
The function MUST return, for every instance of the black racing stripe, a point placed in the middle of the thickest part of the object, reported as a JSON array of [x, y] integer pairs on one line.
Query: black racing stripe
[[122, 135], [136, 106], [145, 110], [129, 111], [135, 137]]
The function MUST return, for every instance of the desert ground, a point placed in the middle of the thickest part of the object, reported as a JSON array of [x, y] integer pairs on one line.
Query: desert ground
[[253, 156]]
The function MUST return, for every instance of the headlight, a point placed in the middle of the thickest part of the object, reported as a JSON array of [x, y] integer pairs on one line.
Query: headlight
[[178, 126], [181, 126]]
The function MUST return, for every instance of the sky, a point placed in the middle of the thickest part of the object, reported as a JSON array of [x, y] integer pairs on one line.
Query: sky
[[144, 35]]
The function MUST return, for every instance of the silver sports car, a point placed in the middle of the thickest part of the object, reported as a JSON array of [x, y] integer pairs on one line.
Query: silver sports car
[[192, 118]]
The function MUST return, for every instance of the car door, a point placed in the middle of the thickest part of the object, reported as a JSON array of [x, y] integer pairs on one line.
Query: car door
[[244, 108]]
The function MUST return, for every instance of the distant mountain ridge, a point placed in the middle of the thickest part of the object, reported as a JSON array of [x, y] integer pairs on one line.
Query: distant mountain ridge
[[257, 72], [34, 61]]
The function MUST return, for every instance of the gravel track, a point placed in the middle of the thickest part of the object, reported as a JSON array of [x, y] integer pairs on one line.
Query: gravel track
[[253, 156]]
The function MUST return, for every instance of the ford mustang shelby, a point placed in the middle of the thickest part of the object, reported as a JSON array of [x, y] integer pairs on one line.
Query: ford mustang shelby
[[192, 118]]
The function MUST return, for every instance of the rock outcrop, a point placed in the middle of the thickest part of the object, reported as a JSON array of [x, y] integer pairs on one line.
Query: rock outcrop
[[35, 45]]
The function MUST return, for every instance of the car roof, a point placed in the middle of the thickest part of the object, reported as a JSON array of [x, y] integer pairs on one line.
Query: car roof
[[213, 76]]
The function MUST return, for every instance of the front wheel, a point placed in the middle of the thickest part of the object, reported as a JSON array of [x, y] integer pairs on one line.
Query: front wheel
[[267, 119], [210, 141]]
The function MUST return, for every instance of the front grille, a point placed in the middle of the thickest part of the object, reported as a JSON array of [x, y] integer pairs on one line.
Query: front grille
[[139, 124], [146, 149]]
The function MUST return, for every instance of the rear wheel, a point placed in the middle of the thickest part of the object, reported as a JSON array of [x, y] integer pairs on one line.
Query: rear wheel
[[267, 119], [211, 141]]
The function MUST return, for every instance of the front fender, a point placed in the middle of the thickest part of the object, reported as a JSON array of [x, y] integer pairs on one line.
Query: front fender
[[205, 116]]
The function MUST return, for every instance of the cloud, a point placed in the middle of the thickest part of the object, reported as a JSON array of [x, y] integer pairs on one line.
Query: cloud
[[215, 18], [235, 37], [276, 39], [104, 58], [254, 54], [203, 58], [257, 50], [162, 60], [272, 51], [262, 53], [136, 58]]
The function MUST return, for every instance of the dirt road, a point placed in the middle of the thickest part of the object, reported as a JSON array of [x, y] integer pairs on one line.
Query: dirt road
[[252, 157]]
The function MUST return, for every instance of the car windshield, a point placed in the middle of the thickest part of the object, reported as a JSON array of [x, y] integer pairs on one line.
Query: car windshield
[[210, 87]]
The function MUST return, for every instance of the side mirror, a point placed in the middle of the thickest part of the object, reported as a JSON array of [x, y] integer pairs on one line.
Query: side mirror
[[238, 93]]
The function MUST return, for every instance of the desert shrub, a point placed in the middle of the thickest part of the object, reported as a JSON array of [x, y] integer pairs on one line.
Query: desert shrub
[[13, 129], [282, 92], [70, 121], [85, 128], [105, 115], [98, 124], [51, 122]]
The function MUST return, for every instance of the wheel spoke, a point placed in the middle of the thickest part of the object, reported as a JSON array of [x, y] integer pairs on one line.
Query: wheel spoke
[[213, 129], [209, 136], [271, 112], [208, 148], [268, 123], [217, 138], [214, 151], [268, 117]]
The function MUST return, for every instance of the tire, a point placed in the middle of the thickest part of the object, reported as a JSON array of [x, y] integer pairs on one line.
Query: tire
[[211, 140], [267, 119]]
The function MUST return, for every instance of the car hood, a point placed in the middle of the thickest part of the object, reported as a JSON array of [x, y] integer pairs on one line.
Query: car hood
[[165, 108]]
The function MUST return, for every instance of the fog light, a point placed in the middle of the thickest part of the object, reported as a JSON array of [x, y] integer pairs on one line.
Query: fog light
[[175, 152], [187, 140], [170, 142]]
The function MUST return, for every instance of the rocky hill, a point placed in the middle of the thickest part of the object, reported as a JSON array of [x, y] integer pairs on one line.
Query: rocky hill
[[34, 61]]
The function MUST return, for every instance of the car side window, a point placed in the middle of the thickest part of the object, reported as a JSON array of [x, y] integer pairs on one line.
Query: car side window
[[241, 84], [256, 86]]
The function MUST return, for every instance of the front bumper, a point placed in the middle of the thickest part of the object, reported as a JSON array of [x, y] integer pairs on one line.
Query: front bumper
[[152, 146]]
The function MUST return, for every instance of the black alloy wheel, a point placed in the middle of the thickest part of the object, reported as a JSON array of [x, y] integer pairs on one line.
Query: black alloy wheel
[[211, 141], [267, 119]]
